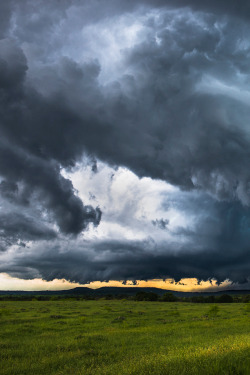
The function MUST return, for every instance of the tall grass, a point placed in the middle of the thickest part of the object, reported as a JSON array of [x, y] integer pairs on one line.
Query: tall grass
[[123, 338]]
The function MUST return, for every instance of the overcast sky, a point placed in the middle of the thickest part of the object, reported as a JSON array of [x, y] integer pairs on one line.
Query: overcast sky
[[125, 140]]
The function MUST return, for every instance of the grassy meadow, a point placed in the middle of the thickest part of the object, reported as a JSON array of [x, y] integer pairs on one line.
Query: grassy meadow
[[123, 338]]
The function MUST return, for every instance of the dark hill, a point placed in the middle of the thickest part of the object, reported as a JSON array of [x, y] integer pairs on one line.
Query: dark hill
[[125, 291]]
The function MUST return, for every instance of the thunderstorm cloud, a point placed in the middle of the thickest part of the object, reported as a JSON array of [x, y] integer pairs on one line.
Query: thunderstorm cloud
[[125, 139]]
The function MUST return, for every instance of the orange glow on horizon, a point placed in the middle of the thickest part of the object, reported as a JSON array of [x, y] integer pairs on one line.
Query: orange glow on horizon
[[186, 285]]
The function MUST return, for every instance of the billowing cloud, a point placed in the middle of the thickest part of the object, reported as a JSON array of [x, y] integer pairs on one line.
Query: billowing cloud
[[24, 156], [202, 237], [16, 228], [159, 88]]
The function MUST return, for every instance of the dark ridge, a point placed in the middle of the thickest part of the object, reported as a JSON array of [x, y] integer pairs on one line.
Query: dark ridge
[[126, 291]]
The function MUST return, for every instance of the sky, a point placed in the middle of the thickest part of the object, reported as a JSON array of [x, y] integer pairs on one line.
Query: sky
[[124, 143]]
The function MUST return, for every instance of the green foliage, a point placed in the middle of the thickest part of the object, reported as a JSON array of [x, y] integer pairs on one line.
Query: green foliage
[[246, 298], [139, 296], [104, 337], [209, 299], [225, 298], [169, 297], [144, 296], [198, 299]]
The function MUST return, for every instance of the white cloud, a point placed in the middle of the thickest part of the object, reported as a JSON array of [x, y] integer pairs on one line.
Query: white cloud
[[129, 204]]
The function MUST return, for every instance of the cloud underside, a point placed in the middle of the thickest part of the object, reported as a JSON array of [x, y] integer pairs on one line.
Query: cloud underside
[[128, 261], [159, 88]]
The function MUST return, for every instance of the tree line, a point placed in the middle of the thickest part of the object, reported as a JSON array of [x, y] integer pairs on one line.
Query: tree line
[[140, 296]]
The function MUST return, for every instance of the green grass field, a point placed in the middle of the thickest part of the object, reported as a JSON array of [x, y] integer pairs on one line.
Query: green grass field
[[123, 337]]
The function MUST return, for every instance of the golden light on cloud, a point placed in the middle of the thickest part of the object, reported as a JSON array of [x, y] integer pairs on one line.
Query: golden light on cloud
[[186, 285], [11, 283]]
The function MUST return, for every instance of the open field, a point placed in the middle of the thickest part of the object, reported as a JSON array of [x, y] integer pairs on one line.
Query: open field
[[123, 337]]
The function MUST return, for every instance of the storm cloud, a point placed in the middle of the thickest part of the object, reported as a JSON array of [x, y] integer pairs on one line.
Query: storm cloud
[[217, 247], [160, 89]]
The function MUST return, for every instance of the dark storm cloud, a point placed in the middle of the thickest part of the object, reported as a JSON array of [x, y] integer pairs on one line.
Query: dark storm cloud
[[178, 111], [16, 227], [216, 247], [8, 189], [28, 146], [195, 146], [160, 223], [134, 261], [5, 16], [53, 190], [218, 7]]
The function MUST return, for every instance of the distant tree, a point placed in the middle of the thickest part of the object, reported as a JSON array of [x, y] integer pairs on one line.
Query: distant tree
[[237, 299], [246, 298], [198, 299], [109, 297], [152, 297], [140, 296], [169, 297], [144, 296], [225, 298], [209, 299]]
